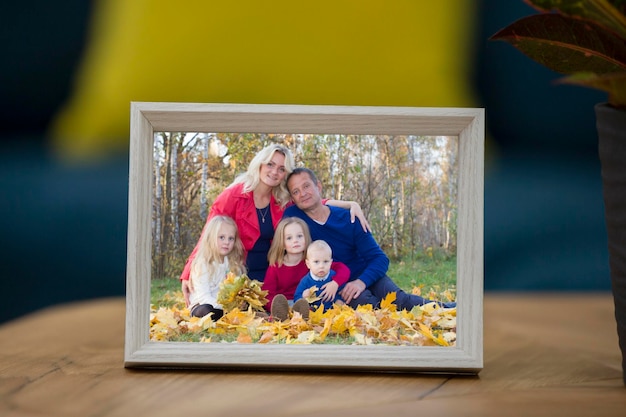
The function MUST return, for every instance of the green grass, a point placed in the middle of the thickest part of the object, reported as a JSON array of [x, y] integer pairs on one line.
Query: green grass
[[428, 272], [162, 292], [437, 272]]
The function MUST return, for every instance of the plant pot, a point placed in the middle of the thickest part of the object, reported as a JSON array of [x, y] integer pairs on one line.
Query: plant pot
[[611, 125]]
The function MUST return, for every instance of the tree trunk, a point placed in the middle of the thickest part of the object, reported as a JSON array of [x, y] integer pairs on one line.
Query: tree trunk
[[174, 189]]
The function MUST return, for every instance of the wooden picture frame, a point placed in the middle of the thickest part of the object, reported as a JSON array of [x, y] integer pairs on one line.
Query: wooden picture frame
[[467, 124]]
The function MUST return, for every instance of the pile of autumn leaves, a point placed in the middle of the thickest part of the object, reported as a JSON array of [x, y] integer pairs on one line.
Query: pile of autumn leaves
[[243, 300]]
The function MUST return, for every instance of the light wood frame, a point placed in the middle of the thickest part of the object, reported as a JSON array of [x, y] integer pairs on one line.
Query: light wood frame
[[466, 123]]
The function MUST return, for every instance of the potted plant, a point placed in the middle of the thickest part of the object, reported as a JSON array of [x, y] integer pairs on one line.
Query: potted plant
[[586, 41]]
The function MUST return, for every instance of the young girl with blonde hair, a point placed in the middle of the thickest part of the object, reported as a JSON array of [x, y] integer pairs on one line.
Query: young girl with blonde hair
[[287, 267], [220, 251]]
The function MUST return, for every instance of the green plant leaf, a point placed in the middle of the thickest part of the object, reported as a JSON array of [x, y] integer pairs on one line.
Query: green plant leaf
[[614, 84], [603, 12], [566, 45]]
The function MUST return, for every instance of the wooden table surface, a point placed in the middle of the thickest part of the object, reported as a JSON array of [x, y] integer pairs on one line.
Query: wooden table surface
[[544, 355]]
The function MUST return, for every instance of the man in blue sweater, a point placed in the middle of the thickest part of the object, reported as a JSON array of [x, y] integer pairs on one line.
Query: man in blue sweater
[[369, 283]]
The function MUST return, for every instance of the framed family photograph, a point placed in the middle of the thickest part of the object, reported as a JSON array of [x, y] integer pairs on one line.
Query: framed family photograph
[[224, 200]]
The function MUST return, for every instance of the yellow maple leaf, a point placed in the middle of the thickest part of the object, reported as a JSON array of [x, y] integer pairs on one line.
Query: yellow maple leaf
[[167, 317], [317, 315], [367, 317], [441, 340], [450, 337], [361, 339], [313, 297], [343, 321], [417, 290], [387, 302], [447, 294], [278, 330], [305, 337], [237, 291], [325, 330], [266, 337], [387, 322], [407, 315], [427, 331], [429, 308], [244, 338], [447, 322], [374, 332], [236, 318], [297, 325]]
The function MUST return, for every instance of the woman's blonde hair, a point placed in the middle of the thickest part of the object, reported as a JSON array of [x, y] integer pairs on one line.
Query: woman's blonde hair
[[208, 257], [251, 177], [277, 252]]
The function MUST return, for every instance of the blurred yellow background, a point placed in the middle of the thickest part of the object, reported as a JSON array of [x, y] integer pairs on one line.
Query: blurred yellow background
[[349, 52]]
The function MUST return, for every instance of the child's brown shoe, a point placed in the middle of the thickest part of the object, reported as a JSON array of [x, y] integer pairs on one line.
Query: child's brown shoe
[[280, 308], [302, 307]]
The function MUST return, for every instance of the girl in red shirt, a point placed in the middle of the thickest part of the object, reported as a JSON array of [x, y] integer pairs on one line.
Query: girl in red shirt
[[287, 267]]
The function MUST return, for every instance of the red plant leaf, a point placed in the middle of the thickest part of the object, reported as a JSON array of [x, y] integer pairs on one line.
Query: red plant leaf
[[603, 12], [566, 45]]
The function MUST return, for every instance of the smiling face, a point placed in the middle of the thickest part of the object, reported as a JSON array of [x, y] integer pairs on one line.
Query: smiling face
[[273, 172], [304, 191], [295, 241], [226, 239]]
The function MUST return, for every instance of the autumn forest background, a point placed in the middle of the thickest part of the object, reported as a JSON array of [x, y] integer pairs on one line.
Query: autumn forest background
[[406, 185]]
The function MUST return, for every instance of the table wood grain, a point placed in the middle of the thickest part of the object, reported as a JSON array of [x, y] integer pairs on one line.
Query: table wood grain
[[545, 355]]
